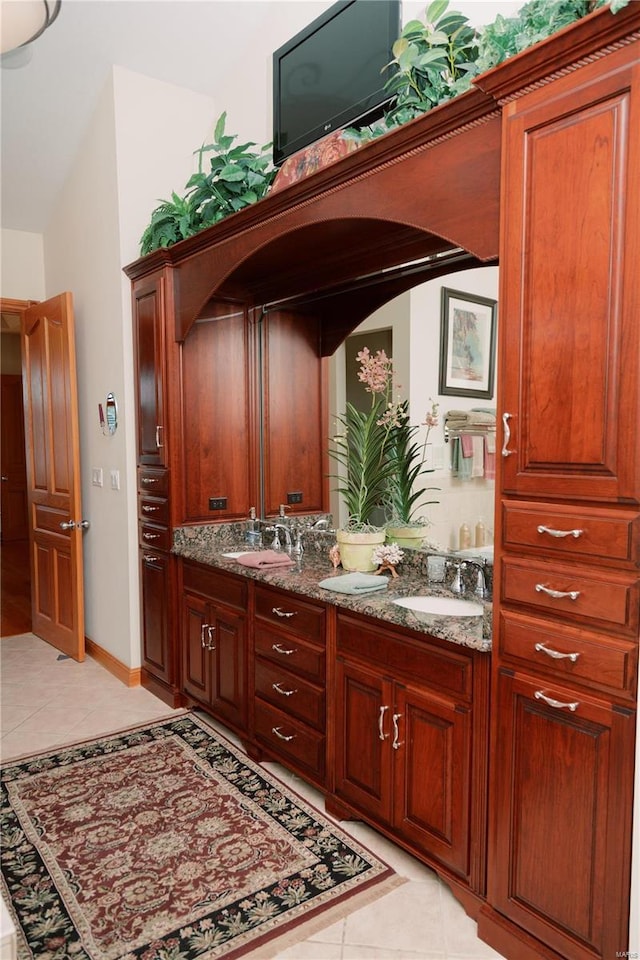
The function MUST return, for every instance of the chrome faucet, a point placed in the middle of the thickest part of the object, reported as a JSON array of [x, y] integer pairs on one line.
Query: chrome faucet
[[482, 588], [276, 545]]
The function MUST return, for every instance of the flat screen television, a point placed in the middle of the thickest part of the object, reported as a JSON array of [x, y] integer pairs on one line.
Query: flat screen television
[[330, 74]]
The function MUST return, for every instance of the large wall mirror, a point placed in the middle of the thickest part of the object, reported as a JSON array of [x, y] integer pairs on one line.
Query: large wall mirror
[[411, 324]]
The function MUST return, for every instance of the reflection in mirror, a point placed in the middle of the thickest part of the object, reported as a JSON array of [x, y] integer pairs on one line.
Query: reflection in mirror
[[466, 496]]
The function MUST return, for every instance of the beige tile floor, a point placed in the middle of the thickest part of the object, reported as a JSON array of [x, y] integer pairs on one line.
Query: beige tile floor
[[46, 701]]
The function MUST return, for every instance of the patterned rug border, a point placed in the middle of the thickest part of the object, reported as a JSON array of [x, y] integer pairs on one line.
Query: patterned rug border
[[297, 928]]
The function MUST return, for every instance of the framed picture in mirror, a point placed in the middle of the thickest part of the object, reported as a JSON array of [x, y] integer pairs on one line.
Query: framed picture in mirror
[[467, 344]]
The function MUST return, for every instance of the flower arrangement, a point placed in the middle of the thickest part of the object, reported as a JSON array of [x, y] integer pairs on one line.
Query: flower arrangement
[[377, 450], [364, 446]]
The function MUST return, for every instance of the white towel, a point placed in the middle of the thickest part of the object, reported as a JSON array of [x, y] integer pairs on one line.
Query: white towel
[[477, 466]]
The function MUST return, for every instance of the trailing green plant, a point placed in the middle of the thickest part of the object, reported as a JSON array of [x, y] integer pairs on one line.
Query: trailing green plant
[[237, 177], [402, 493], [437, 59]]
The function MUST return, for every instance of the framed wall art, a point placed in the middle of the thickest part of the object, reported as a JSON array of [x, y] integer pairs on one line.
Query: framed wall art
[[467, 345]]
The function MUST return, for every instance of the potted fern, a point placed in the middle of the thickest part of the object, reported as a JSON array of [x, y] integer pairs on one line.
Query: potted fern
[[403, 497]]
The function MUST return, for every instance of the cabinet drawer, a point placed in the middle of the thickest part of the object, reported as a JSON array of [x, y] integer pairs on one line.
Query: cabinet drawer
[[407, 659], [290, 693], [566, 652], [155, 483], [215, 585], [593, 533], [287, 737], [152, 536], [291, 653], [290, 613], [573, 592], [154, 509]]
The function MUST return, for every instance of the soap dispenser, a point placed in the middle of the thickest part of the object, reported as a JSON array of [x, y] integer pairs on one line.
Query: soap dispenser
[[481, 534], [465, 537], [252, 535]]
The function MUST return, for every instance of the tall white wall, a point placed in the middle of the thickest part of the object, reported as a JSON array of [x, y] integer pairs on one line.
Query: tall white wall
[[21, 265], [95, 229]]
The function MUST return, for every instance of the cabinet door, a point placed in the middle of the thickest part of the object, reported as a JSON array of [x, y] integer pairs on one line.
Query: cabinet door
[[149, 347], [217, 428], [197, 624], [562, 794], [569, 282], [364, 710], [294, 429], [432, 753], [156, 587], [228, 665]]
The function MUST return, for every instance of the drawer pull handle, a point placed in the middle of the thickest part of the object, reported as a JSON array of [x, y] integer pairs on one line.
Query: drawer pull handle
[[560, 533], [555, 654], [282, 613], [282, 736], [149, 479], [382, 735], [507, 435], [557, 704], [149, 558], [151, 536], [396, 732], [557, 594], [148, 509], [285, 693], [282, 650]]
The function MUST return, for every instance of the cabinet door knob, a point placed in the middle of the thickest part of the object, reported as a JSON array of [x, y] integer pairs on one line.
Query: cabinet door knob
[[282, 613], [282, 736], [285, 693], [555, 654], [382, 735], [557, 594], [556, 704], [560, 533], [396, 732], [507, 434], [283, 650]]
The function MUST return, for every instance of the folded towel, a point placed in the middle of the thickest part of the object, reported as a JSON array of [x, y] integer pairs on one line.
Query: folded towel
[[355, 583], [264, 559]]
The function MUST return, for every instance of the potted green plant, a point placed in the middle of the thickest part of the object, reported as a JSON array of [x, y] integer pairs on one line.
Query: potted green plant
[[237, 177], [403, 498], [362, 449]]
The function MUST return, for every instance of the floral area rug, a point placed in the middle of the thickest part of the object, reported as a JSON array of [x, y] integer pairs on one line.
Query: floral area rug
[[165, 842]]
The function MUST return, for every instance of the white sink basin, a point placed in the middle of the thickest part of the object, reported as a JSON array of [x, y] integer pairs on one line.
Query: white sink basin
[[441, 606]]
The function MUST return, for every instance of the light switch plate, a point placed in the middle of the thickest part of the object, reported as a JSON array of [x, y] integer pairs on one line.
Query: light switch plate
[[115, 479], [96, 476]]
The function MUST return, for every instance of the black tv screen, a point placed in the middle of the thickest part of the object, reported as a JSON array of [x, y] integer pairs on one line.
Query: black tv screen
[[331, 73]]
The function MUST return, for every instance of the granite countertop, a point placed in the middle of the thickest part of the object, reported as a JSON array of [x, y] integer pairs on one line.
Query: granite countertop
[[207, 543]]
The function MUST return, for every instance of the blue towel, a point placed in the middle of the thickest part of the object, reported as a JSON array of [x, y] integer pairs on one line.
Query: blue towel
[[355, 583]]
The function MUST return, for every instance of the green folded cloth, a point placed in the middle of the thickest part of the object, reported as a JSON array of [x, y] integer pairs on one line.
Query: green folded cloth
[[355, 583]]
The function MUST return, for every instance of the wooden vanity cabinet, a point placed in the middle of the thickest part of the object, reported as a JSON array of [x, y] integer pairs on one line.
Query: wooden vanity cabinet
[[566, 609], [289, 704], [214, 642], [408, 736], [151, 302]]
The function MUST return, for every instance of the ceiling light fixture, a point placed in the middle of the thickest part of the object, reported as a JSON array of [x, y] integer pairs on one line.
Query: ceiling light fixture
[[23, 21]]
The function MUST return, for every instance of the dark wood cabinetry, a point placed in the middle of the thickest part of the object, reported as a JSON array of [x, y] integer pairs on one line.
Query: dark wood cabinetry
[[406, 725], [538, 165], [567, 608], [289, 681], [214, 642]]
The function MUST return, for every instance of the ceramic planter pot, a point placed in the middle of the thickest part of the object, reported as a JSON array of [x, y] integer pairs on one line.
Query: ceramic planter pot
[[356, 549], [407, 535]]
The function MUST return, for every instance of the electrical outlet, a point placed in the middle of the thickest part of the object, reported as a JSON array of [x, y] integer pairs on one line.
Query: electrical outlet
[[96, 476], [294, 497], [217, 503]]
